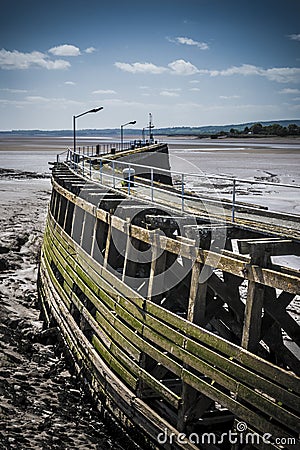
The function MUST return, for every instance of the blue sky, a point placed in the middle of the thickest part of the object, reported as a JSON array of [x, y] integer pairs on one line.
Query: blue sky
[[188, 62]]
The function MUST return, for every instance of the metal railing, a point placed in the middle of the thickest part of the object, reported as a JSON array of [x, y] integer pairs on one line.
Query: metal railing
[[106, 148], [108, 172]]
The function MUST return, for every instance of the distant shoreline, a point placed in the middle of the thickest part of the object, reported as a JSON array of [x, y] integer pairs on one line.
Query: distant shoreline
[[60, 144]]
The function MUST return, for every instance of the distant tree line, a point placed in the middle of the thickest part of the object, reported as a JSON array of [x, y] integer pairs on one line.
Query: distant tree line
[[269, 130]]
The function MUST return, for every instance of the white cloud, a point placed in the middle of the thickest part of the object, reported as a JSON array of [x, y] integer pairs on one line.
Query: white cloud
[[283, 74], [294, 37], [138, 67], [289, 91], [37, 99], [195, 89], [189, 41], [228, 97], [90, 50], [104, 91], [65, 50], [120, 102], [70, 83], [169, 93], [18, 60], [172, 89], [182, 67], [50, 102], [279, 74], [14, 91], [244, 69]]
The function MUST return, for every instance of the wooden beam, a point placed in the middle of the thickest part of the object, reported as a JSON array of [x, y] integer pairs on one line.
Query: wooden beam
[[254, 304], [158, 265]]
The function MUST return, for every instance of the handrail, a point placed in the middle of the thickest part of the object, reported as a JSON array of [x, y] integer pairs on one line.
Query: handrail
[[191, 174], [75, 158]]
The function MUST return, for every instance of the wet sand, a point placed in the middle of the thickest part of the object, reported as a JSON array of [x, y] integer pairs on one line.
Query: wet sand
[[42, 405]]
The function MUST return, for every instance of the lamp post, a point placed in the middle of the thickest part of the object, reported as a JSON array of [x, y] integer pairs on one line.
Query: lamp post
[[74, 123], [122, 126]]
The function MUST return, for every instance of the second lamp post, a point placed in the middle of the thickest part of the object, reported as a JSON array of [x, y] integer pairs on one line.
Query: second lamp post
[[74, 123], [122, 126]]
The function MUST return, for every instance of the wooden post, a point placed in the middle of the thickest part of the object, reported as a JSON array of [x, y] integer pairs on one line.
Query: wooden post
[[197, 298], [108, 239], [129, 269], [251, 335], [158, 265], [193, 405]]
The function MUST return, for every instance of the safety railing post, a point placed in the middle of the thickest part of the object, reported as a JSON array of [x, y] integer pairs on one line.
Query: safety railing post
[[101, 170], [152, 179], [233, 200], [182, 192], [129, 179], [113, 168], [90, 168], [83, 164]]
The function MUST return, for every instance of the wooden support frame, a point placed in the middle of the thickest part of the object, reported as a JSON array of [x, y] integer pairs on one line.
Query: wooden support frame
[[210, 368]]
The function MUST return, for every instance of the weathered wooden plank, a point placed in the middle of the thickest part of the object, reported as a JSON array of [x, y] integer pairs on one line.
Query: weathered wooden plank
[[255, 300], [178, 320], [105, 354], [234, 352], [143, 412], [113, 363], [198, 363], [169, 434], [197, 296], [162, 390], [283, 319], [276, 247], [241, 411], [93, 268], [121, 305], [107, 316], [233, 265], [158, 266]]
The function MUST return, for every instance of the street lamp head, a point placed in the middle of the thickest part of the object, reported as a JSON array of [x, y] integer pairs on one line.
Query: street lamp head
[[89, 111], [133, 122], [96, 109]]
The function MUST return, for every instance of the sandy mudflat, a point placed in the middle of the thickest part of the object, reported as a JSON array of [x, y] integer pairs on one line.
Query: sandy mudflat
[[41, 404]]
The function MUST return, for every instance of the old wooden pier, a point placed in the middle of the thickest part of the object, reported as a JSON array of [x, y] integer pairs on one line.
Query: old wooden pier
[[178, 319]]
